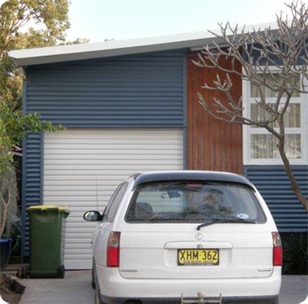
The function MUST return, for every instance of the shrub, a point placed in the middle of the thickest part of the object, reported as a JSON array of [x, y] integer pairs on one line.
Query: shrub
[[296, 255]]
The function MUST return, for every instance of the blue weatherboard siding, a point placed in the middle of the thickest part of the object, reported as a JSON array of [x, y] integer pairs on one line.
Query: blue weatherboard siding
[[139, 91], [131, 91], [275, 188], [32, 162]]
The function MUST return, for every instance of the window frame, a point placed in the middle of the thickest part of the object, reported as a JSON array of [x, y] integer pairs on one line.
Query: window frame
[[248, 130]]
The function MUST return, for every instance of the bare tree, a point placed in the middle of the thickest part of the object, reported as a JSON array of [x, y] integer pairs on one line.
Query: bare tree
[[286, 50]]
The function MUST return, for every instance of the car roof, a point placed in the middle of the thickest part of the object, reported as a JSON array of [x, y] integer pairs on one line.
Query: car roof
[[204, 176]]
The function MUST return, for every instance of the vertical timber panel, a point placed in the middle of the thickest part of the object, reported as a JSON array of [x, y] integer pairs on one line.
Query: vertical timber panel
[[212, 144]]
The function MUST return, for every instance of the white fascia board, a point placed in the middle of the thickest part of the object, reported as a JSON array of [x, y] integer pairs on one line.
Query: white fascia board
[[117, 48], [106, 49]]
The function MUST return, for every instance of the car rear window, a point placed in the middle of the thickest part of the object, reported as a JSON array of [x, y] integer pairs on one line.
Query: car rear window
[[187, 202]]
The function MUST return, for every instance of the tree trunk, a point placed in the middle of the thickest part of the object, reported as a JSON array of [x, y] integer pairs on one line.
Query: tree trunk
[[3, 219], [294, 184]]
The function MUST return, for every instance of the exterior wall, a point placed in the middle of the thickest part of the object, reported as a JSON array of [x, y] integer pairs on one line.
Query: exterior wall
[[211, 144], [148, 91], [140, 91], [132, 91], [275, 188], [31, 181], [215, 145], [274, 185]]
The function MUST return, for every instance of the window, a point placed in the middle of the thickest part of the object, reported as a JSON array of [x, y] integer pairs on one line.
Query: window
[[260, 145], [185, 202], [114, 202]]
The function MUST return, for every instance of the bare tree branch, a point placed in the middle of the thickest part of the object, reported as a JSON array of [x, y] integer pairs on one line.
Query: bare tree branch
[[274, 62]]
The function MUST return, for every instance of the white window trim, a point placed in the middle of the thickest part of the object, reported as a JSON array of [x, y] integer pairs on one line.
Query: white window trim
[[247, 99]]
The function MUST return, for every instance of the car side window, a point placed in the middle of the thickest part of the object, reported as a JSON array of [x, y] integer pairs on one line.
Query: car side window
[[108, 207], [114, 203]]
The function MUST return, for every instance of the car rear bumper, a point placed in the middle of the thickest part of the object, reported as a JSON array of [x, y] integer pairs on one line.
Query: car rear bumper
[[113, 286], [227, 300]]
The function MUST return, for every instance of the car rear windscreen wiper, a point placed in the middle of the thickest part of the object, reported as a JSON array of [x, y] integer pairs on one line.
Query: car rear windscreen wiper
[[222, 221]]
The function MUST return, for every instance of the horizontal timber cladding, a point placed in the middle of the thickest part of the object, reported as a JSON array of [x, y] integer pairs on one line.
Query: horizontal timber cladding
[[131, 91], [211, 144], [275, 188]]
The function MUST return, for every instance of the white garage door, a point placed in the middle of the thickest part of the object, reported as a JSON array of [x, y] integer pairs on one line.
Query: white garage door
[[82, 168]]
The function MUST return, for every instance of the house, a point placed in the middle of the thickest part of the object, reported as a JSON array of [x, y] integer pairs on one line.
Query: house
[[131, 106]]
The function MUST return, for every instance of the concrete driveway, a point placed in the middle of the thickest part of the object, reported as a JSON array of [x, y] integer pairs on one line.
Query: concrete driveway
[[76, 289]]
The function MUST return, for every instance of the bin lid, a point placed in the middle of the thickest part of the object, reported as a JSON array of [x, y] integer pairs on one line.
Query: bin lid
[[48, 208]]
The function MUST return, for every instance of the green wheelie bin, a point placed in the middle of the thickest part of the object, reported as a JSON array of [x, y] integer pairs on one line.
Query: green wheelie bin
[[47, 231]]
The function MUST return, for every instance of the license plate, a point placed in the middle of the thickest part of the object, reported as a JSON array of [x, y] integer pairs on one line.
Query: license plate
[[198, 257]]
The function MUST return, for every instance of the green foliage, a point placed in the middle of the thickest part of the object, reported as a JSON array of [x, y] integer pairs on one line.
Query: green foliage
[[14, 127], [27, 24], [296, 255], [51, 15], [8, 198], [78, 41], [10, 82], [23, 24]]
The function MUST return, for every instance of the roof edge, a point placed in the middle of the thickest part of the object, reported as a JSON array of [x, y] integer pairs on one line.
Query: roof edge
[[66, 53]]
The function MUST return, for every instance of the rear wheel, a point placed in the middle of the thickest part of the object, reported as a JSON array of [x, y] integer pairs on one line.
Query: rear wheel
[[93, 276], [97, 299]]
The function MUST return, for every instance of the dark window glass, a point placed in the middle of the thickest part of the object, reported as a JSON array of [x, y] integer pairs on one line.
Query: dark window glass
[[186, 202], [114, 202]]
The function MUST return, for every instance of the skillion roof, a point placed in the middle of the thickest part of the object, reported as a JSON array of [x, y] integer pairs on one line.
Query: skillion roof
[[75, 52]]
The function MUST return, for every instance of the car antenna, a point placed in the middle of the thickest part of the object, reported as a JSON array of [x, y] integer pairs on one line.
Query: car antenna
[[96, 192]]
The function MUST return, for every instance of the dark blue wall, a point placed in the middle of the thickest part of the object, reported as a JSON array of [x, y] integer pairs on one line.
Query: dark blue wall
[[140, 91], [132, 91], [31, 181], [275, 187]]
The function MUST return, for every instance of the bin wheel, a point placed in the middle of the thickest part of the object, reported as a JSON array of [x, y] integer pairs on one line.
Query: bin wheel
[[61, 272], [25, 272]]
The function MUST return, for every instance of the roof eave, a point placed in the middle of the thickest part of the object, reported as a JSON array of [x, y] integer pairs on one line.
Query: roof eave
[[67, 53], [75, 56]]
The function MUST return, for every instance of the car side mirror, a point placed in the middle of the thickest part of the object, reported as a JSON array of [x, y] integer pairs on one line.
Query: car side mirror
[[92, 216]]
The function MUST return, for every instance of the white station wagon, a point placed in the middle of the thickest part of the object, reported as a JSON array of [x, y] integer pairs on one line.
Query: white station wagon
[[184, 237]]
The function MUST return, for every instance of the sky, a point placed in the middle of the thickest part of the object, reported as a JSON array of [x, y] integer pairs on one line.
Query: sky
[[98, 20]]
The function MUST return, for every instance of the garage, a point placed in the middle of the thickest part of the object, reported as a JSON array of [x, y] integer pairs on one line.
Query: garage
[[82, 168]]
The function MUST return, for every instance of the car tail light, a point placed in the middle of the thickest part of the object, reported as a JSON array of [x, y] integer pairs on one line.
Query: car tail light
[[277, 249], [113, 249]]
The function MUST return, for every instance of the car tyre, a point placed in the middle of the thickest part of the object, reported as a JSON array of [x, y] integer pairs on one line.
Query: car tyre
[[97, 296], [93, 276], [97, 299]]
